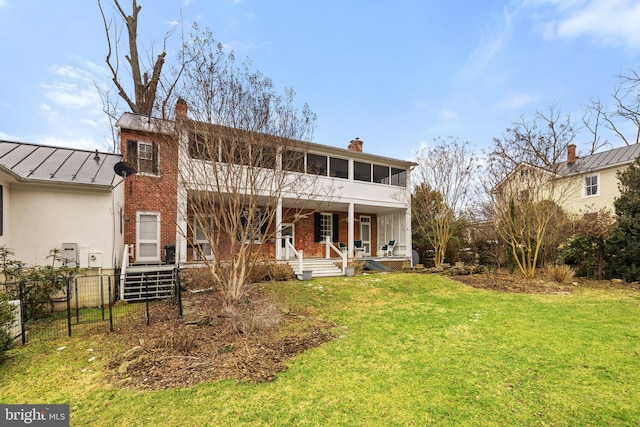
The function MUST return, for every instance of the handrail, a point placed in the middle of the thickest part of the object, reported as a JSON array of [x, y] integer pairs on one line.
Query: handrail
[[123, 270], [329, 246], [296, 253]]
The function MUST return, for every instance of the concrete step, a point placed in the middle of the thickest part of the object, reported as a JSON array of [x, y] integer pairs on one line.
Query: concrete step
[[320, 267]]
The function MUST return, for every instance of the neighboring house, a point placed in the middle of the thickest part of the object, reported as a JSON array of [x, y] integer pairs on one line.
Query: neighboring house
[[371, 205], [55, 197], [581, 184], [597, 177]]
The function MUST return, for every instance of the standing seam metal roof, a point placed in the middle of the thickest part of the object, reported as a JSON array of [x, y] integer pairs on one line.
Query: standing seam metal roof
[[42, 163], [605, 159]]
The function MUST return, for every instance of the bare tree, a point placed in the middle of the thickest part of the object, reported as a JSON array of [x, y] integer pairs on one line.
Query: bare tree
[[445, 173], [242, 166], [526, 186], [142, 83], [623, 117]]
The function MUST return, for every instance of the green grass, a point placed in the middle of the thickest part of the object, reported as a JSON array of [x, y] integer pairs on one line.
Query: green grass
[[418, 350]]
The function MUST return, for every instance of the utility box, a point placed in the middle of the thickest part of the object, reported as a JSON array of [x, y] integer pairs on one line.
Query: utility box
[[70, 254], [95, 260]]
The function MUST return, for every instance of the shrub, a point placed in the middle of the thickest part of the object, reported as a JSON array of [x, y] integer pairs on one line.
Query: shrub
[[280, 272], [7, 317], [560, 273]]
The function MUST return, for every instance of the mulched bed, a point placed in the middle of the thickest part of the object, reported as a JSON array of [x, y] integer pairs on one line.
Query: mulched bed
[[515, 283], [251, 342]]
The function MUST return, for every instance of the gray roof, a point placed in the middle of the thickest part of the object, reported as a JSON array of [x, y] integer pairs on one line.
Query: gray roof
[[59, 165], [603, 160]]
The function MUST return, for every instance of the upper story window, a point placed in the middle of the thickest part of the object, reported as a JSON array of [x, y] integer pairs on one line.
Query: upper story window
[[399, 177], [381, 174], [338, 168], [591, 187], [293, 161], [317, 164], [143, 156], [362, 171]]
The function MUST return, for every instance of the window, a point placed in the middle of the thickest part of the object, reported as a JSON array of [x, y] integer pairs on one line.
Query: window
[[293, 161], [381, 174], [148, 236], [265, 156], [254, 223], [235, 151], [338, 168], [591, 186], [398, 177], [143, 156], [325, 225], [199, 149], [362, 171], [201, 247], [317, 164], [326, 221]]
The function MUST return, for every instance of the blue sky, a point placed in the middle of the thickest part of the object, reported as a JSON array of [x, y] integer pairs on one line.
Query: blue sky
[[396, 74]]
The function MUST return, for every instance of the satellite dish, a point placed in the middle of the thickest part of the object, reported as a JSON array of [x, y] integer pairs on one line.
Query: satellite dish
[[124, 169]]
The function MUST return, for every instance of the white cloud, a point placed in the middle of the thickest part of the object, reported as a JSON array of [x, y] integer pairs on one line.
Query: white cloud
[[612, 22], [489, 47], [73, 88], [515, 100], [448, 115]]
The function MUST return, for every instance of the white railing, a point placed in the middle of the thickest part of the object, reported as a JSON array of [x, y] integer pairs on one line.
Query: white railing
[[123, 269], [298, 254], [329, 247]]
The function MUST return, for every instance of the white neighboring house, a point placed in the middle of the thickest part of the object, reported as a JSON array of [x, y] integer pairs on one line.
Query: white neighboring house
[[55, 197], [598, 186]]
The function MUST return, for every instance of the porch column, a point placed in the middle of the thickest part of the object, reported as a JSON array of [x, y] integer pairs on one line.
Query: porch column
[[408, 245], [279, 254], [350, 228], [181, 224]]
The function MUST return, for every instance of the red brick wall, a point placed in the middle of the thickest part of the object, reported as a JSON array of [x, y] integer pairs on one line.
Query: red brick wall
[[152, 193]]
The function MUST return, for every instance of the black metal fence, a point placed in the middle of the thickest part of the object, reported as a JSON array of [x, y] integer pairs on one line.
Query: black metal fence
[[85, 304]]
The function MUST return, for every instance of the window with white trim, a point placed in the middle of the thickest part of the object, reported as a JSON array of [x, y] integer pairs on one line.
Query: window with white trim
[[326, 225], [143, 156], [591, 185], [148, 236], [201, 228], [254, 225]]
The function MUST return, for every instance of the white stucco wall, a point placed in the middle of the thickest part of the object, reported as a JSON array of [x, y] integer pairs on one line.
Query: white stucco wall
[[608, 191], [38, 218]]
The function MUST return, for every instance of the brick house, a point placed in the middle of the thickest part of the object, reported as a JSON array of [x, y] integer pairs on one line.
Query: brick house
[[370, 206]]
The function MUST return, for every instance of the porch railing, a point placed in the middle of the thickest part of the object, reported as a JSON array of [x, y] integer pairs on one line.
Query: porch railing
[[331, 247], [296, 253], [123, 270]]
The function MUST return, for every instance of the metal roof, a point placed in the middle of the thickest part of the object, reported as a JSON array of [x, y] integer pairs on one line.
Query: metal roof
[[59, 165], [605, 159]]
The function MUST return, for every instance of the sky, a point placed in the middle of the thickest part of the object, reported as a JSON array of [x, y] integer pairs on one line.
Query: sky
[[397, 74]]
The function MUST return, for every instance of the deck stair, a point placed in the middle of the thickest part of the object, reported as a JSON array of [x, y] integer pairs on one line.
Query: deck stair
[[321, 267], [149, 281]]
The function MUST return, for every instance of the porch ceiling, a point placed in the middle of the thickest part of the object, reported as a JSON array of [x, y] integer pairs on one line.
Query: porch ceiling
[[360, 208]]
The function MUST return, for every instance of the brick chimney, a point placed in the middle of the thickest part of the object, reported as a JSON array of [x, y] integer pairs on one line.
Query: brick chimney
[[571, 153], [355, 145], [181, 109]]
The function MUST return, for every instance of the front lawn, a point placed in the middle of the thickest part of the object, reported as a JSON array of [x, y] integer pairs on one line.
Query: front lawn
[[411, 350]]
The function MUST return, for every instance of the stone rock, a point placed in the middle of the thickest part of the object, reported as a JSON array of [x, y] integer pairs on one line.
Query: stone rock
[[123, 382], [122, 369], [133, 353]]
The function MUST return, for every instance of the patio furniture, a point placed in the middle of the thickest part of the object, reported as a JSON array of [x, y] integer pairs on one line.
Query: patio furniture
[[358, 249], [388, 248]]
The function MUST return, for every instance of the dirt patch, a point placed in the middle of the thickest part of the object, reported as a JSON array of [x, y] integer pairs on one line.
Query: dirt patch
[[250, 342], [516, 283]]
